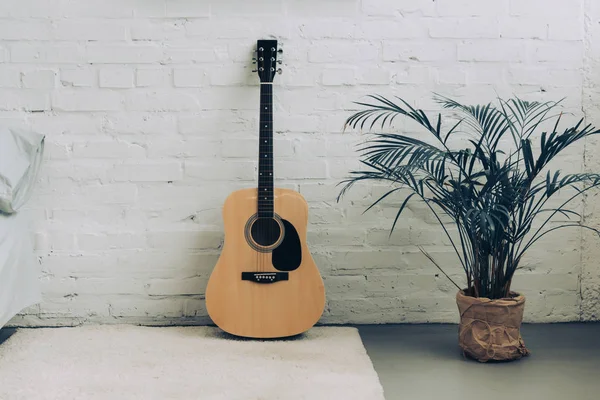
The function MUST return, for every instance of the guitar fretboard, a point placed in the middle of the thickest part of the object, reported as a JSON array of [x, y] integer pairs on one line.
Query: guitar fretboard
[[265, 153]]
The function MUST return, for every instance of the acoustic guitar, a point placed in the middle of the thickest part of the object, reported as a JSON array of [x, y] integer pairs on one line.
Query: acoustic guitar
[[265, 283]]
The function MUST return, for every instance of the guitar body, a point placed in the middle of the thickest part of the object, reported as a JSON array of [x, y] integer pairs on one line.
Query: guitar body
[[262, 306]]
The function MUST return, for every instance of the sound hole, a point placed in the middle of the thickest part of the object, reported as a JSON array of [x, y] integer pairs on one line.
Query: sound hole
[[265, 231]]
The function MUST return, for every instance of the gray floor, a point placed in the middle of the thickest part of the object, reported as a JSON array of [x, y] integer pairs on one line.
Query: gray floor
[[417, 362], [423, 362], [5, 333]]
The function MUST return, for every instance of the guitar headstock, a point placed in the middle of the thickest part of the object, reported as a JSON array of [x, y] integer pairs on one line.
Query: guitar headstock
[[267, 59]]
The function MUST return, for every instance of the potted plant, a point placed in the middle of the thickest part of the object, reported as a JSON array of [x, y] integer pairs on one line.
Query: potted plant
[[485, 174]]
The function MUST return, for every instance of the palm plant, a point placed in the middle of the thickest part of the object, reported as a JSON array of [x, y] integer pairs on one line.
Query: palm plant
[[493, 196]]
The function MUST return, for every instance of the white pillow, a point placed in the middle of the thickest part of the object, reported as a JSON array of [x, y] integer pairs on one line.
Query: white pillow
[[21, 155]]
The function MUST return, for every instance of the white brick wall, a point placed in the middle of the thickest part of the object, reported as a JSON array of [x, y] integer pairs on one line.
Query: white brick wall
[[150, 111], [589, 274]]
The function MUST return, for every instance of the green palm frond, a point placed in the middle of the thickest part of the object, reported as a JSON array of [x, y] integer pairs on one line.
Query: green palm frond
[[491, 194]]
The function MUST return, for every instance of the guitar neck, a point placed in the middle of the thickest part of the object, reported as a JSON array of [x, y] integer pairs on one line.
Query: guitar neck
[[265, 153]]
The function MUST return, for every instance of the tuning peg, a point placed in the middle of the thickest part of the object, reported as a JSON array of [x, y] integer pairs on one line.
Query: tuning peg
[[280, 51], [254, 70], [280, 71], [280, 61]]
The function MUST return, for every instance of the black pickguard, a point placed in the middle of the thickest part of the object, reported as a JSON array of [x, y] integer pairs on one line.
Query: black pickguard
[[288, 255]]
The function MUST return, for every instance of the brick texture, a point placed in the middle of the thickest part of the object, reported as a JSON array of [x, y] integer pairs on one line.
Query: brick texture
[[150, 112]]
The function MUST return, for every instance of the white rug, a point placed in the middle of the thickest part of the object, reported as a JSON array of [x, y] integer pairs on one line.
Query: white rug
[[132, 362]]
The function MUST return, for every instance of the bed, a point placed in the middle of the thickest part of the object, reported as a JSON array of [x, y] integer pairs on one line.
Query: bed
[[19, 284], [21, 154]]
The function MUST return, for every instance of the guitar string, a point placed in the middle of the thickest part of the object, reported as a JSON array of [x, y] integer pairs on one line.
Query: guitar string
[[262, 90], [271, 187], [267, 166], [268, 121], [268, 231], [261, 171], [270, 162]]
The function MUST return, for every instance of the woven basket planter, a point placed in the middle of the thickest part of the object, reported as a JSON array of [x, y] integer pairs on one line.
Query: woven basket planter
[[490, 329]]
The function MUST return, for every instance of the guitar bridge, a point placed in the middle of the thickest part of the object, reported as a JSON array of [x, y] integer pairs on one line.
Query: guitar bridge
[[264, 277]]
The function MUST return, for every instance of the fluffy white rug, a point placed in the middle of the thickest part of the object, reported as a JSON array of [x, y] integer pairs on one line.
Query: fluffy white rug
[[117, 362]]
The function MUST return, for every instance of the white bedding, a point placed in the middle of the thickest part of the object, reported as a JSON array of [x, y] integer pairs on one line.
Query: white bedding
[[19, 284], [21, 154]]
